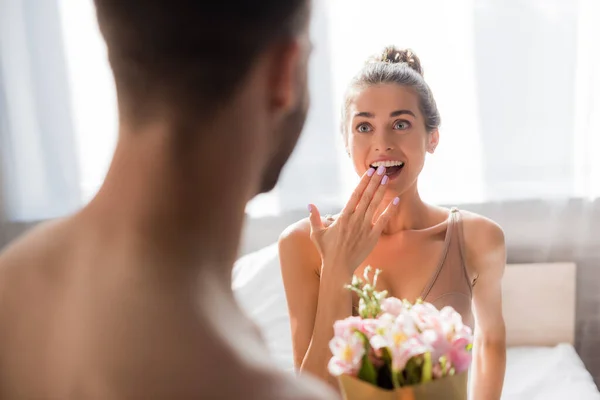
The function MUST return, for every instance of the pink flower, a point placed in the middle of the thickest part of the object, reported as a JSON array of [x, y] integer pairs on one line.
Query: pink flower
[[436, 371], [453, 324], [437, 341], [392, 332], [400, 357], [426, 316], [347, 355], [392, 306], [451, 315], [463, 332], [454, 348], [400, 336], [346, 327], [408, 349], [370, 327], [459, 356]]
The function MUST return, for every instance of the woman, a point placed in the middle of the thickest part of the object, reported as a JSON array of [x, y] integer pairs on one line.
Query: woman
[[446, 257]]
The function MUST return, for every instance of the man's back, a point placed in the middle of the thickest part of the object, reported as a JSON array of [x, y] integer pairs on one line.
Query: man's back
[[77, 325]]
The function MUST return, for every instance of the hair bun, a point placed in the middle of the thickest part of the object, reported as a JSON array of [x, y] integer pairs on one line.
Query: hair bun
[[393, 55]]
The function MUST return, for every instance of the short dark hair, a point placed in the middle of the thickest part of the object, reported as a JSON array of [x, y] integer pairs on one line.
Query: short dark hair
[[190, 51]]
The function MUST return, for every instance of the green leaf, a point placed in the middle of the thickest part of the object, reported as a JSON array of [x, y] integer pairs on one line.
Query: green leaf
[[409, 370], [427, 373], [367, 372]]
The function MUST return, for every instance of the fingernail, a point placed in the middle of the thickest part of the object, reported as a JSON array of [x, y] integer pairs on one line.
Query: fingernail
[[370, 172], [380, 170], [384, 180], [309, 208], [396, 201]]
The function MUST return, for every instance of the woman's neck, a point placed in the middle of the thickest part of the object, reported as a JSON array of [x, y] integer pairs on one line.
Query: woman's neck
[[412, 213]]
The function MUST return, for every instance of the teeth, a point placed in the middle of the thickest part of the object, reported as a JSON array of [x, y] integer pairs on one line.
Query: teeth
[[387, 164]]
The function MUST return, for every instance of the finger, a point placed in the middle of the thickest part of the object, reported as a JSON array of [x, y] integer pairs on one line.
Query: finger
[[370, 191], [376, 201], [316, 224], [358, 192], [385, 217]]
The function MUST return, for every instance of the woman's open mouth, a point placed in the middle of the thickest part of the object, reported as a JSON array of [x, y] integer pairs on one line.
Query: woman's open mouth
[[392, 168]]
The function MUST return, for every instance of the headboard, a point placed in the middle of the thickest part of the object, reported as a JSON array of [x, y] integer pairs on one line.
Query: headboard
[[539, 304]]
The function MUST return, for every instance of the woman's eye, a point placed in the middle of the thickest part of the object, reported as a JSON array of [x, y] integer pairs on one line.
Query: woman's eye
[[363, 128], [401, 125]]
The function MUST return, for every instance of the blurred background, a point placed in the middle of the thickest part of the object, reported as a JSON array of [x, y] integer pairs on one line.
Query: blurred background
[[517, 83]]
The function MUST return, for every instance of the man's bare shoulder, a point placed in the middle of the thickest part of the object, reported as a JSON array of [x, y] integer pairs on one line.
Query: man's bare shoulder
[[284, 385], [31, 263], [41, 243]]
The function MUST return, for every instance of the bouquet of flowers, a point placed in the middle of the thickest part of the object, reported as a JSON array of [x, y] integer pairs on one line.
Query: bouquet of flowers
[[399, 350]]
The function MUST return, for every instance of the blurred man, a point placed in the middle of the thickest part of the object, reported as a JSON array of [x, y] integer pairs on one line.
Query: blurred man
[[131, 297]]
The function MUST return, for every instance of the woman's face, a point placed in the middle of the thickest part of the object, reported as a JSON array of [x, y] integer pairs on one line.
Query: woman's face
[[385, 127]]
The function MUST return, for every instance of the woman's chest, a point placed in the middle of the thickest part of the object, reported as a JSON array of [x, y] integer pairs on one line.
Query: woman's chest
[[408, 265]]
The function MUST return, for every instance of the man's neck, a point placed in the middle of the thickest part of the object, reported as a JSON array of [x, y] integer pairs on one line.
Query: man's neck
[[174, 203]]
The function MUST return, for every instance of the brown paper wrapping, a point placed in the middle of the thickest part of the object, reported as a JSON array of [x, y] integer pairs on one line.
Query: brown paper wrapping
[[448, 388]]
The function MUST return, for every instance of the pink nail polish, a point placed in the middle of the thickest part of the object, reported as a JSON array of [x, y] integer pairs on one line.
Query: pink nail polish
[[370, 172], [309, 208], [396, 201], [380, 170], [385, 180]]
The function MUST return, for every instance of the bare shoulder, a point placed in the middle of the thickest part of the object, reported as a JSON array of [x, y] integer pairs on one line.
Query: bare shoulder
[[286, 386], [298, 234], [296, 248], [260, 379], [480, 229], [38, 244], [298, 231], [30, 263], [484, 242]]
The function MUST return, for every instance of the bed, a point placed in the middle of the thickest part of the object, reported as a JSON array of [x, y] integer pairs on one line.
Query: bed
[[539, 309]]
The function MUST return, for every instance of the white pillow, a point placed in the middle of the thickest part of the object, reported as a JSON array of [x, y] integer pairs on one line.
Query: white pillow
[[258, 288]]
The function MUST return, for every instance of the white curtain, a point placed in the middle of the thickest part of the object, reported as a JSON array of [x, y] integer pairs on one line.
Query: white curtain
[[517, 83], [39, 166]]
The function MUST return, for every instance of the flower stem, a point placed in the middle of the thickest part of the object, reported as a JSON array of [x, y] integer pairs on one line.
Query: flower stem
[[396, 379]]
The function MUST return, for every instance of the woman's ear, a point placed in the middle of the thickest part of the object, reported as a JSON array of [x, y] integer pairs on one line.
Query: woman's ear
[[433, 141]]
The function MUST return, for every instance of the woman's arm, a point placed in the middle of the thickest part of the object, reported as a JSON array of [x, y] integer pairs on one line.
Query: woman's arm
[[314, 303], [319, 259], [486, 257]]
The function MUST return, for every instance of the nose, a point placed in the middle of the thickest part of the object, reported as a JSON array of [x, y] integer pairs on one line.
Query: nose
[[383, 143], [388, 148]]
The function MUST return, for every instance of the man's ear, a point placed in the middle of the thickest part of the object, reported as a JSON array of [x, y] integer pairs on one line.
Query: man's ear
[[433, 140], [286, 59]]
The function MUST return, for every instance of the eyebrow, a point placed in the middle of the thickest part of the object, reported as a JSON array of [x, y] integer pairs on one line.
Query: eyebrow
[[396, 113]]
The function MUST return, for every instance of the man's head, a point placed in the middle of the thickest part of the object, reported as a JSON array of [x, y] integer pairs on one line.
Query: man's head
[[190, 61]]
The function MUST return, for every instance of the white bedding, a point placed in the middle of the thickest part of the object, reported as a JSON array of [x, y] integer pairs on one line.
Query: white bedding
[[532, 372]]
